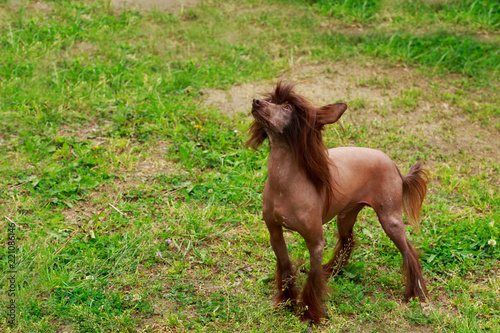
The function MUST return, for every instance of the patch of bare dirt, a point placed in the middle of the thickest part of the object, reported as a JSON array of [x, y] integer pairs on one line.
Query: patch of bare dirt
[[322, 84], [167, 5], [326, 83], [37, 6], [83, 48], [237, 99], [370, 90], [81, 132]]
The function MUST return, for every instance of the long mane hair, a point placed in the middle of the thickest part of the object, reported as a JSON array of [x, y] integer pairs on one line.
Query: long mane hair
[[303, 136]]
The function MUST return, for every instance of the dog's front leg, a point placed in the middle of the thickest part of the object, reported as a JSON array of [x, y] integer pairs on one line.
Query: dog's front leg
[[285, 280]]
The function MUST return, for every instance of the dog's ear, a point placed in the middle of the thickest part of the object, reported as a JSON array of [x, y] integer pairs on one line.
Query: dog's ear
[[329, 114]]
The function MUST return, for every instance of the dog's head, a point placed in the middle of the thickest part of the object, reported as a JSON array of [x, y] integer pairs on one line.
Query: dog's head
[[284, 113], [271, 116]]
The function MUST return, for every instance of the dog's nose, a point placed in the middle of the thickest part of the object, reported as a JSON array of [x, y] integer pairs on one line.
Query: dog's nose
[[257, 101]]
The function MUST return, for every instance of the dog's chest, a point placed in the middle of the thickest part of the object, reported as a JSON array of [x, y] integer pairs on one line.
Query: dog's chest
[[276, 201], [286, 203]]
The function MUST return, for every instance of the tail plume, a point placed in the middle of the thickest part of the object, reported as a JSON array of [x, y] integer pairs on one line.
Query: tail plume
[[414, 190]]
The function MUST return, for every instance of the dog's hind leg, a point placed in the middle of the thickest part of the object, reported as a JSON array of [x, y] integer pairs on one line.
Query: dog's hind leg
[[345, 243], [285, 279], [392, 223]]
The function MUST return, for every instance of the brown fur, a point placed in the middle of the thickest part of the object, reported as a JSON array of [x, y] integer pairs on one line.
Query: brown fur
[[415, 285], [414, 191], [308, 185], [312, 298], [287, 292]]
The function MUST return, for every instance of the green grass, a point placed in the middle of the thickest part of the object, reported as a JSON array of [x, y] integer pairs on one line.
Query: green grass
[[349, 9], [482, 15], [140, 209]]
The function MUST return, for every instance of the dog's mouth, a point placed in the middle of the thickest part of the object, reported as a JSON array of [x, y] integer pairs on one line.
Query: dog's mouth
[[261, 114], [258, 110], [266, 123]]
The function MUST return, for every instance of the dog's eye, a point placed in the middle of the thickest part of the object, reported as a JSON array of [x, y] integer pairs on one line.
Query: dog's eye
[[288, 107], [270, 100]]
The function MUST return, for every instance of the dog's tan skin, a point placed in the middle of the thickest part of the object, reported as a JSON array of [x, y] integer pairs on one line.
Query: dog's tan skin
[[294, 198]]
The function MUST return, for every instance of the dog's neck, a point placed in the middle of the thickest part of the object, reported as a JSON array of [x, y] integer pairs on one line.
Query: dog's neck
[[282, 166]]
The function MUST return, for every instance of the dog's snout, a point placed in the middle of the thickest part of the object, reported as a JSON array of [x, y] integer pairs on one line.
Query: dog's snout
[[257, 101]]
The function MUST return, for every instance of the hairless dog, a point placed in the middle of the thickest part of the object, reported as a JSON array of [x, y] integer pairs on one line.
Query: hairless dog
[[308, 185]]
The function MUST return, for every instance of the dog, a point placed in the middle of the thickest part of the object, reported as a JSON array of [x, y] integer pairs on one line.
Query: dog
[[308, 185]]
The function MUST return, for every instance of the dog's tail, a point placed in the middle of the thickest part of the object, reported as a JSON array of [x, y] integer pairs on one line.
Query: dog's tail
[[414, 190]]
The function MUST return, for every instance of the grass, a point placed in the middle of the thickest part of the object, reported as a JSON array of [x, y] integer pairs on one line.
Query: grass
[[139, 209], [480, 15]]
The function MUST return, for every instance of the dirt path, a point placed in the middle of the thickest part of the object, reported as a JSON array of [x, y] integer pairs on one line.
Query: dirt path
[[168, 5]]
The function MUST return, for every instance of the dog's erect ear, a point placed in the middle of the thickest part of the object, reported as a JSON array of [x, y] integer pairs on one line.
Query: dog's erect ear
[[329, 114]]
